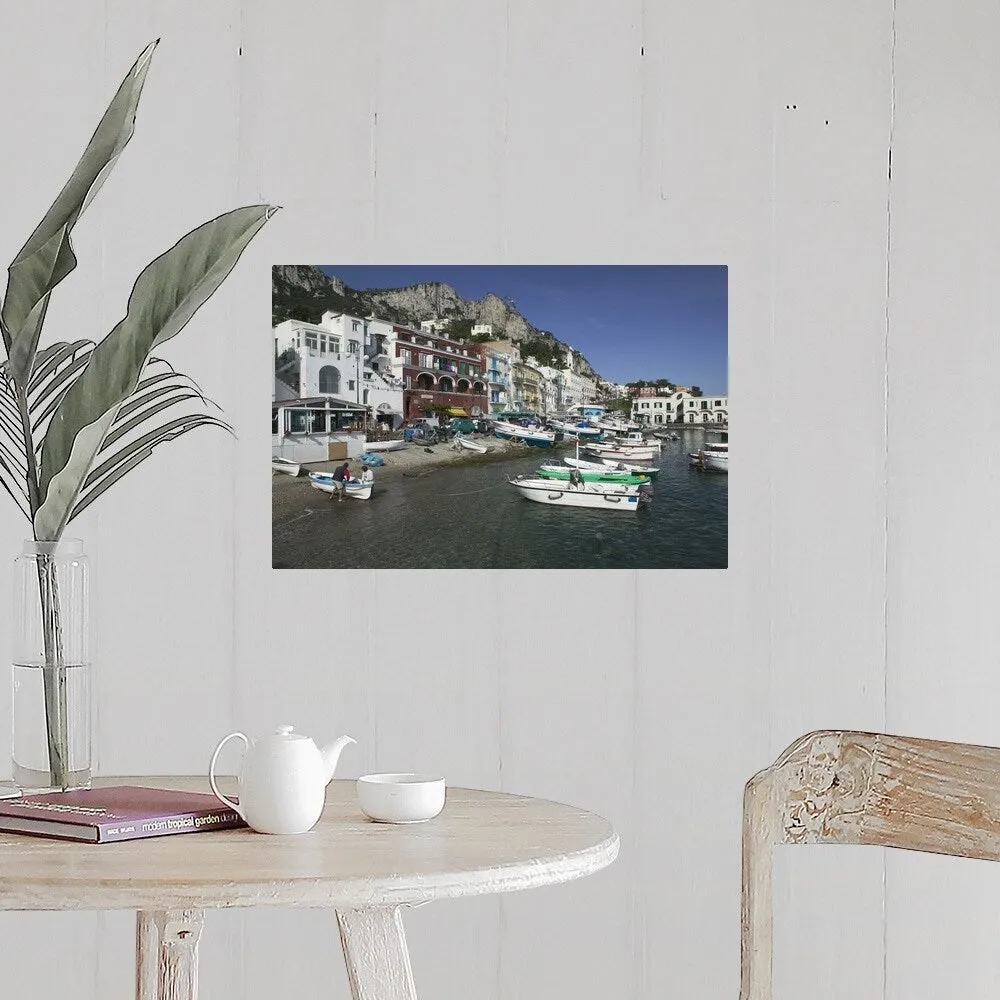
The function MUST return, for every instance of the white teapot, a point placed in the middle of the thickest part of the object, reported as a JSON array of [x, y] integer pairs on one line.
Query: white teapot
[[282, 783]]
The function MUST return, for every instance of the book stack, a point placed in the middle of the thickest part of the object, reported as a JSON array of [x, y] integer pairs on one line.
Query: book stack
[[118, 812]]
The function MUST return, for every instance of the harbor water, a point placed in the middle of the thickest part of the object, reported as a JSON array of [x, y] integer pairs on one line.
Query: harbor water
[[468, 516]]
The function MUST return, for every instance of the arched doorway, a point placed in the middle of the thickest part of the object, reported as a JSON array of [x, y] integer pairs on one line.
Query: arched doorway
[[329, 380], [445, 384], [425, 381]]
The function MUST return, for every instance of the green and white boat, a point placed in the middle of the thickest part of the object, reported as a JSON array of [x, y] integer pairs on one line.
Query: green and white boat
[[592, 475]]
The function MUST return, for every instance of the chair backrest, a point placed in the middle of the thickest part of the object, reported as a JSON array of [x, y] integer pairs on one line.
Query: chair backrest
[[834, 787]]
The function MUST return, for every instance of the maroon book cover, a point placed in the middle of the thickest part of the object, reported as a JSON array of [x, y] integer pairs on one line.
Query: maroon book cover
[[119, 812]]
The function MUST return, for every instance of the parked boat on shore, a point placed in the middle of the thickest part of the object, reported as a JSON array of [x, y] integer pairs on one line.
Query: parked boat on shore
[[597, 496], [461, 442], [279, 464], [394, 445]]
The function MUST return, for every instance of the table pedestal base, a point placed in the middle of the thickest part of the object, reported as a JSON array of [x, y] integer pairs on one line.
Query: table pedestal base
[[166, 960], [378, 964]]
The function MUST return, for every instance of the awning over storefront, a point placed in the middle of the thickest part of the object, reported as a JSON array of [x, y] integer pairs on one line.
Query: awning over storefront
[[319, 402], [456, 411]]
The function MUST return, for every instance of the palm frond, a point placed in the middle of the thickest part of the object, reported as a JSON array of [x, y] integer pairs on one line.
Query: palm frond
[[158, 400], [47, 388], [13, 463], [134, 453], [52, 357]]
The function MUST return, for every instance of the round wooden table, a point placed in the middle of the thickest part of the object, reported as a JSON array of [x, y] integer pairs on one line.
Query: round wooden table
[[483, 842]]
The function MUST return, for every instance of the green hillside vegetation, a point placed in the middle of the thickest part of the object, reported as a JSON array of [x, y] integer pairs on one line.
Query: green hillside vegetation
[[545, 352], [289, 301]]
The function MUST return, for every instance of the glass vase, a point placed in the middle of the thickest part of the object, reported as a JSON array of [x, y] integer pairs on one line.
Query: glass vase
[[51, 716]]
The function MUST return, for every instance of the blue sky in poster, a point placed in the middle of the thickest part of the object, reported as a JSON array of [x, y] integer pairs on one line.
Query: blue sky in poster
[[631, 322]]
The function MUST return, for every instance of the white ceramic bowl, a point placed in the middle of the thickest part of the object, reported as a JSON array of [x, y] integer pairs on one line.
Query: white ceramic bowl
[[400, 798]]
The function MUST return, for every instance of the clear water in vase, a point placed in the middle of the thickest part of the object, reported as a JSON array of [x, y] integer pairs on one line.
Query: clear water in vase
[[30, 749]]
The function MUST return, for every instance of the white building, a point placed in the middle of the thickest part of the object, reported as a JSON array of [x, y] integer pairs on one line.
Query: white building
[[577, 389], [482, 330], [680, 407], [435, 325], [337, 383], [552, 389], [348, 358]]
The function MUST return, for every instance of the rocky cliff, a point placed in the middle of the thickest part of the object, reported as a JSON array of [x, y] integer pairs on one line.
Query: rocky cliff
[[300, 291]]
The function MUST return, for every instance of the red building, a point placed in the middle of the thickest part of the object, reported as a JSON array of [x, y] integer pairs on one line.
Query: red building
[[438, 372]]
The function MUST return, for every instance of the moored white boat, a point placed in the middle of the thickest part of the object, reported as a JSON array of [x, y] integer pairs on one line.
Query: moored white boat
[[279, 464], [352, 488], [712, 455], [527, 435], [637, 439], [610, 426], [563, 473], [584, 430], [597, 496], [621, 454], [613, 465], [394, 445]]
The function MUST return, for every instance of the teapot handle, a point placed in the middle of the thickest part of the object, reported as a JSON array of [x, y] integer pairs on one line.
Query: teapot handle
[[211, 774]]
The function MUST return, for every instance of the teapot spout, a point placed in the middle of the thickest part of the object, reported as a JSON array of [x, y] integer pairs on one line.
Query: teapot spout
[[331, 754]]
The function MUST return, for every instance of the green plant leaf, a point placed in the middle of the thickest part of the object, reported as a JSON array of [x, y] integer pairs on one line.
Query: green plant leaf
[[148, 390], [51, 358], [48, 255], [165, 296], [136, 452], [169, 397], [13, 463]]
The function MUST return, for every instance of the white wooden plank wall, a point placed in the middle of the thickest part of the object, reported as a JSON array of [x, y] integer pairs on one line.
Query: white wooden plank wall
[[555, 132], [944, 542]]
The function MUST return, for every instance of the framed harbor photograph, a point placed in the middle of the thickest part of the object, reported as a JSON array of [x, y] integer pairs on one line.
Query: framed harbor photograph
[[500, 417]]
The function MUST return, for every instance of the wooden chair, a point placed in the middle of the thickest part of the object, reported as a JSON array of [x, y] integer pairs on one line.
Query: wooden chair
[[836, 787]]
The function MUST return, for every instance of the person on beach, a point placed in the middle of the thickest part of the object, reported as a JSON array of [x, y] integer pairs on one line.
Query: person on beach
[[340, 476], [367, 476]]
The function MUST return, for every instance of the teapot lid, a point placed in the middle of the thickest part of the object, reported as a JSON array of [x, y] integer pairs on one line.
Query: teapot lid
[[284, 734]]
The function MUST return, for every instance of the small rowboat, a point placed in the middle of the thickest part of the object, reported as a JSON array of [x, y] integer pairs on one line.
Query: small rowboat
[[393, 445], [279, 464], [464, 442], [352, 488], [603, 475]]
